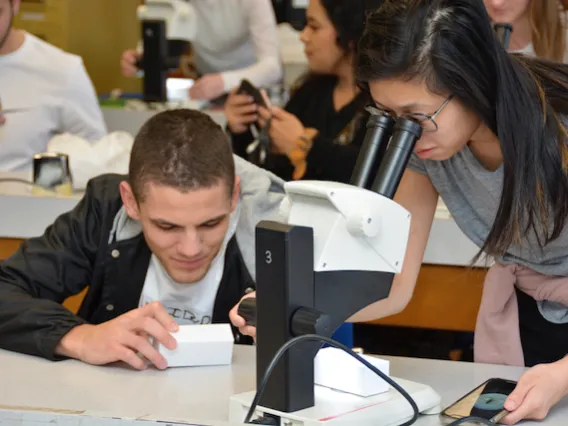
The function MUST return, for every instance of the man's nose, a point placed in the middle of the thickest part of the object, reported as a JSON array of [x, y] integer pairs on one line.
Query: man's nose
[[189, 245]]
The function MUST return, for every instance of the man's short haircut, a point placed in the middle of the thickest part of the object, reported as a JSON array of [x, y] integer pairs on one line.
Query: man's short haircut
[[182, 149]]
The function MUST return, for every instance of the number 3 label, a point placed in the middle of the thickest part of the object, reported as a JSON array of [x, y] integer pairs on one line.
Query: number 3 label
[[268, 258]]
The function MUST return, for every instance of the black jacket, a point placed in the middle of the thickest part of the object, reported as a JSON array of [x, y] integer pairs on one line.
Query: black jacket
[[75, 252], [329, 159]]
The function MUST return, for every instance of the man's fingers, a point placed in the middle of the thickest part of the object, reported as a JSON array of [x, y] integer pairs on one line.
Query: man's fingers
[[129, 356], [142, 345], [157, 310], [236, 319], [248, 331], [153, 328]]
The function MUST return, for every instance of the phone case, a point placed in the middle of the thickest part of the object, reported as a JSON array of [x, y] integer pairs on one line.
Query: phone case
[[496, 417], [248, 88]]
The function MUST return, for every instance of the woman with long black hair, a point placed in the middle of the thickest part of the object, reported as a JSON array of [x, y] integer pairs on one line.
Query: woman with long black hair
[[494, 148]]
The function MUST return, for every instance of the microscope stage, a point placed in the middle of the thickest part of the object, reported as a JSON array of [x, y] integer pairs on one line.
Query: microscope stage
[[334, 408]]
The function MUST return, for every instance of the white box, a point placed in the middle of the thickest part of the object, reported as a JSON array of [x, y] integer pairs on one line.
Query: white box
[[338, 370], [200, 345]]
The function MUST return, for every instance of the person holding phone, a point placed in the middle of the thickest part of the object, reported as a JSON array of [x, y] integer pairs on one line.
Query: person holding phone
[[539, 26], [494, 147], [317, 135], [235, 39]]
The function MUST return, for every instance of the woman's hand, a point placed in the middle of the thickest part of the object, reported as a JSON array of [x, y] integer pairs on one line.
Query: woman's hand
[[240, 111], [538, 390], [285, 128]]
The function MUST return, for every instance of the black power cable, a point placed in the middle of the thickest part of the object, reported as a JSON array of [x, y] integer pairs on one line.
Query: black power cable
[[330, 342]]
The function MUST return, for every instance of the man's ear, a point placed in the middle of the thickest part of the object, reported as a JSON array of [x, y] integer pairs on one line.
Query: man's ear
[[236, 193], [17, 4], [129, 201]]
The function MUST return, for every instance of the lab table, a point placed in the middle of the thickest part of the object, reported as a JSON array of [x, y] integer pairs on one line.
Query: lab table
[[34, 392]]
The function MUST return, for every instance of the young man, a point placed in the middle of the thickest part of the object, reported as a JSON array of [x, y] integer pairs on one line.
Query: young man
[[43, 85], [171, 244]]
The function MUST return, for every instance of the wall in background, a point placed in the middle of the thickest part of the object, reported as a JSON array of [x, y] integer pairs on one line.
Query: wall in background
[[96, 30]]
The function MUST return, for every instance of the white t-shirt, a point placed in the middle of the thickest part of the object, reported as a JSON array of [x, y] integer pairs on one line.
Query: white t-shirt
[[44, 91], [238, 38], [188, 303]]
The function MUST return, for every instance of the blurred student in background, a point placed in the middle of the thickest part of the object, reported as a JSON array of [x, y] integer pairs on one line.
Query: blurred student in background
[[235, 39], [319, 132], [44, 91], [539, 26]]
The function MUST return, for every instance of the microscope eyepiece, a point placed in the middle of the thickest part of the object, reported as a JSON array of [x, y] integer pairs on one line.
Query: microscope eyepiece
[[406, 133], [378, 132]]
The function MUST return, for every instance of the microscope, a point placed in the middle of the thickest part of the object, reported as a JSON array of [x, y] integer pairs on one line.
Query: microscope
[[168, 27], [335, 252]]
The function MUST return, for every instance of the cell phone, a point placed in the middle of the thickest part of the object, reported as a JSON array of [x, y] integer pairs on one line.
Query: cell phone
[[248, 88], [486, 401]]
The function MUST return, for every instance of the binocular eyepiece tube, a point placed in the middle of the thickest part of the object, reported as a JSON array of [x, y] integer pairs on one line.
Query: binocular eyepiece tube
[[385, 153]]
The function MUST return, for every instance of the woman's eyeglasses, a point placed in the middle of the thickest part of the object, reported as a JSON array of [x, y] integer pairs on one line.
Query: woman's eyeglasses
[[427, 121]]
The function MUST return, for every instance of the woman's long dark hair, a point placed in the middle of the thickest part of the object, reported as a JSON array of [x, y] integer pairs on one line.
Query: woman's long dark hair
[[451, 46], [348, 17]]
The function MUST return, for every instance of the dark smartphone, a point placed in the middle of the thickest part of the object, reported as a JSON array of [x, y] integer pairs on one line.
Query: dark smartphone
[[486, 401], [248, 88]]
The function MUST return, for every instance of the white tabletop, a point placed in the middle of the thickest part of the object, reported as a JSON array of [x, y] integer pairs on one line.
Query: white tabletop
[[198, 394]]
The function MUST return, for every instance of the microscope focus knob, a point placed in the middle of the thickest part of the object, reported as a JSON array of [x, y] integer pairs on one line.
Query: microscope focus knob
[[311, 321], [363, 222]]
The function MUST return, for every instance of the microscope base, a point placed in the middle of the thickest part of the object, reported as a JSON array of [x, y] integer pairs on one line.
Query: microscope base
[[333, 408]]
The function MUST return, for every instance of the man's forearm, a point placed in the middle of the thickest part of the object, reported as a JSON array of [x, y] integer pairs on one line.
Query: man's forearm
[[71, 343]]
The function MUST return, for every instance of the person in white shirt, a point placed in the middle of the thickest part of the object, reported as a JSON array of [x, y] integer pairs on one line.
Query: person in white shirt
[[43, 92], [236, 39], [539, 26]]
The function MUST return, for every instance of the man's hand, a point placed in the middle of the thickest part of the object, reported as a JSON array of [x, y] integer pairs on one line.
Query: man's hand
[[122, 338], [538, 390], [208, 87], [128, 62], [239, 321]]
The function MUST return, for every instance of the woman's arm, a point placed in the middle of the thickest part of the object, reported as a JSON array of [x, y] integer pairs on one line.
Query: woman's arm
[[417, 194]]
